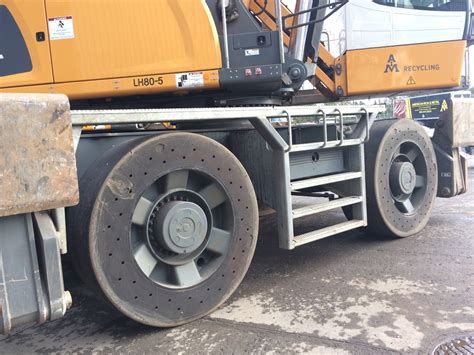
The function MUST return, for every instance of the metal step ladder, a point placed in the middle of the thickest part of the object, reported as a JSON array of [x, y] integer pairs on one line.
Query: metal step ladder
[[348, 184]]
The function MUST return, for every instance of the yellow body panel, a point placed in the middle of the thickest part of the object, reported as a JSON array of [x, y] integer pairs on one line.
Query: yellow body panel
[[404, 68], [326, 56], [328, 83], [120, 87], [118, 47], [122, 38], [133, 47], [30, 15]]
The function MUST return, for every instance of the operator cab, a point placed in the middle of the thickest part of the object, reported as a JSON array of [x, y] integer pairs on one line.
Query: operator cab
[[365, 24]]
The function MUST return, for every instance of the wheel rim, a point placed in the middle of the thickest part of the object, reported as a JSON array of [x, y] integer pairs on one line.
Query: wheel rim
[[407, 178], [181, 228]]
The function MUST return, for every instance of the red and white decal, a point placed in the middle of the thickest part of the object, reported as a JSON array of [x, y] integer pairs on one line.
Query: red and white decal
[[61, 28]]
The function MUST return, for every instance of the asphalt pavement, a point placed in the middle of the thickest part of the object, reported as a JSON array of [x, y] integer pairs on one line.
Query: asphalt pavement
[[349, 294]]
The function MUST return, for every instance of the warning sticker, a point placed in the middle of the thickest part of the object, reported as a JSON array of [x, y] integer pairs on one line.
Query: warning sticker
[[61, 28], [411, 81], [444, 106], [252, 52], [190, 80]]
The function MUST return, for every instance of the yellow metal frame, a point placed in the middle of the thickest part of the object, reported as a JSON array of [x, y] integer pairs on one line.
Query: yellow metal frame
[[127, 47], [109, 56], [149, 84], [404, 68], [330, 61]]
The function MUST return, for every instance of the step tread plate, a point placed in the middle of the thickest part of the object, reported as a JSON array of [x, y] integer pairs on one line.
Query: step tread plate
[[303, 147], [327, 232], [325, 180], [326, 206]]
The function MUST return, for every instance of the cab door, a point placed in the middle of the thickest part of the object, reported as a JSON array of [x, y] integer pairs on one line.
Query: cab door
[[24, 44]]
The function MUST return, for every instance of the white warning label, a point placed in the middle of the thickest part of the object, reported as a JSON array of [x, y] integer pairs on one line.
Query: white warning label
[[252, 52], [189, 80], [61, 28]]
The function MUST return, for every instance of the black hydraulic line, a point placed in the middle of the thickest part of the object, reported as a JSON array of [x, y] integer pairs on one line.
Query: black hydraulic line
[[263, 8], [335, 6]]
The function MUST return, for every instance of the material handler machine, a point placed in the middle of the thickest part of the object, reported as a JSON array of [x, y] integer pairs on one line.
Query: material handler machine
[[138, 135]]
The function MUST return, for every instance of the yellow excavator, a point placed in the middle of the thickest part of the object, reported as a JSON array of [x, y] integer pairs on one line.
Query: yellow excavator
[[141, 137], [261, 54]]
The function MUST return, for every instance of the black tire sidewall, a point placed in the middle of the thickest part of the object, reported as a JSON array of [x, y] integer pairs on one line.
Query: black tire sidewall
[[383, 217], [175, 306]]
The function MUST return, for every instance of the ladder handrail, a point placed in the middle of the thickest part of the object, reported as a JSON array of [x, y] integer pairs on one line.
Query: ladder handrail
[[341, 126], [367, 124], [290, 132], [325, 127]]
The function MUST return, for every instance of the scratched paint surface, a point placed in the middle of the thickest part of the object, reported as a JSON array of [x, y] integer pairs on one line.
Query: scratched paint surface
[[37, 162]]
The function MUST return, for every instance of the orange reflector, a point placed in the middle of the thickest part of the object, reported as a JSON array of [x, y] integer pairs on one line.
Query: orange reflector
[[97, 128]]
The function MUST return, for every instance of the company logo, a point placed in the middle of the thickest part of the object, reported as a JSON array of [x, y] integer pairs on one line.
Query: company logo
[[444, 106], [392, 65]]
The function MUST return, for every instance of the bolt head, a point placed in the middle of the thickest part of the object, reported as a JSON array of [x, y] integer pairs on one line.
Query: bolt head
[[295, 73]]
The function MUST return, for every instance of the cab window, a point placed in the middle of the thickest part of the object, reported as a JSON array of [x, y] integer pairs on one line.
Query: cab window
[[435, 5], [14, 55]]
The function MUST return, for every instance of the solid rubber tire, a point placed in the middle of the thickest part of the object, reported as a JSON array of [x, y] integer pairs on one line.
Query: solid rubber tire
[[109, 192], [383, 217]]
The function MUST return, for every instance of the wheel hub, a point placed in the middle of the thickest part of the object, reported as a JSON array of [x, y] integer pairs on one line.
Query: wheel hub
[[402, 178], [180, 227]]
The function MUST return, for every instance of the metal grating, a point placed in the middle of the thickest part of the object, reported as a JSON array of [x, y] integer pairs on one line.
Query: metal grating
[[462, 345]]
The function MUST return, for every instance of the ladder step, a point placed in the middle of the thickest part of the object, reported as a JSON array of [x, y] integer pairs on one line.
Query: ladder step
[[327, 232], [326, 206], [324, 180], [316, 146]]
